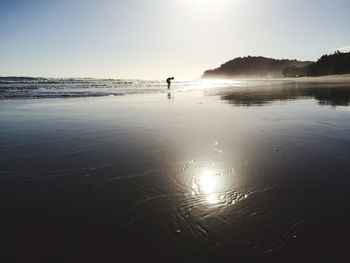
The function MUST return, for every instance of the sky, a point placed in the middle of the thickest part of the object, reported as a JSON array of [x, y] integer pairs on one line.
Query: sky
[[154, 39]]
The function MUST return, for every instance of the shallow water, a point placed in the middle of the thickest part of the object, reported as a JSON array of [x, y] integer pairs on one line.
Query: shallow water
[[45, 88], [219, 175]]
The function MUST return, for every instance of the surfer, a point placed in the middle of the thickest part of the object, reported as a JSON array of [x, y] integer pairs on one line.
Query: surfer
[[168, 80]]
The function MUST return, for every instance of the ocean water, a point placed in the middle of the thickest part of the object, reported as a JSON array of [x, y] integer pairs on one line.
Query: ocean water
[[36, 88]]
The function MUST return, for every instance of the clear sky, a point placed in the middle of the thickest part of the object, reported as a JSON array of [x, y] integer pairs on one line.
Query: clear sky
[[151, 39]]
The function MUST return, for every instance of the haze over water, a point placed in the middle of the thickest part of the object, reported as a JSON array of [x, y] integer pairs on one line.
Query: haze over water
[[246, 173]]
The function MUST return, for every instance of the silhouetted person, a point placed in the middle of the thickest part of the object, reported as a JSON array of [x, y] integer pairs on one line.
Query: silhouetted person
[[168, 80]]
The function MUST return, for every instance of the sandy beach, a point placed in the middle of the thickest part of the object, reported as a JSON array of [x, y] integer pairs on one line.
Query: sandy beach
[[344, 78], [197, 176]]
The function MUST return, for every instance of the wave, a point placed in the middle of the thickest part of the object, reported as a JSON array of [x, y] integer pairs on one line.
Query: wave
[[36, 88]]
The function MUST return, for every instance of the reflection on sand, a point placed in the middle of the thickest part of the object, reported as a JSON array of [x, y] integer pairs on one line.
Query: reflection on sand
[[207, 183], [336, 95], [135, 178]]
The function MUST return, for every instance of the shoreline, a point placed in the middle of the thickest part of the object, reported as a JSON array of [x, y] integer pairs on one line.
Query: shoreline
[[344, 78]]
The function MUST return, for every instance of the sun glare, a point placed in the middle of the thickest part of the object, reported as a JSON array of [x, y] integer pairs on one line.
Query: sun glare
[[207, 184], [203, 7]]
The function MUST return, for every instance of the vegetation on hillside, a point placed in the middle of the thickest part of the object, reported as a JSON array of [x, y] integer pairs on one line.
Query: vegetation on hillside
[[262, 67], [253, 67], [337, 63]]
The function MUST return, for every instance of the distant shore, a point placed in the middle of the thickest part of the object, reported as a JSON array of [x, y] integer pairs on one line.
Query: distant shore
[[344, 78]]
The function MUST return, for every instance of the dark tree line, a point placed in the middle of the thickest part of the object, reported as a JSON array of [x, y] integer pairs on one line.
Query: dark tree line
[[337, 63], [251, 66]]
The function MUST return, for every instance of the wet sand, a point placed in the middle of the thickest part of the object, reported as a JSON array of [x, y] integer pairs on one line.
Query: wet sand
[[343, 78], [244, 174]]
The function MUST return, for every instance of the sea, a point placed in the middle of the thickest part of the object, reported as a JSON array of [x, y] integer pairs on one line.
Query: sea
[[37, 88]]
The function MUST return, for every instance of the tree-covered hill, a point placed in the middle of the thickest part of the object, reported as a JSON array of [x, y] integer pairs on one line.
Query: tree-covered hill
[[337, 63], [253, 67]]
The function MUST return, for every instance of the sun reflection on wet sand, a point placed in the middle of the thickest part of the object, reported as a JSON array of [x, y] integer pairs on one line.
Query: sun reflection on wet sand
[[207, 183]]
